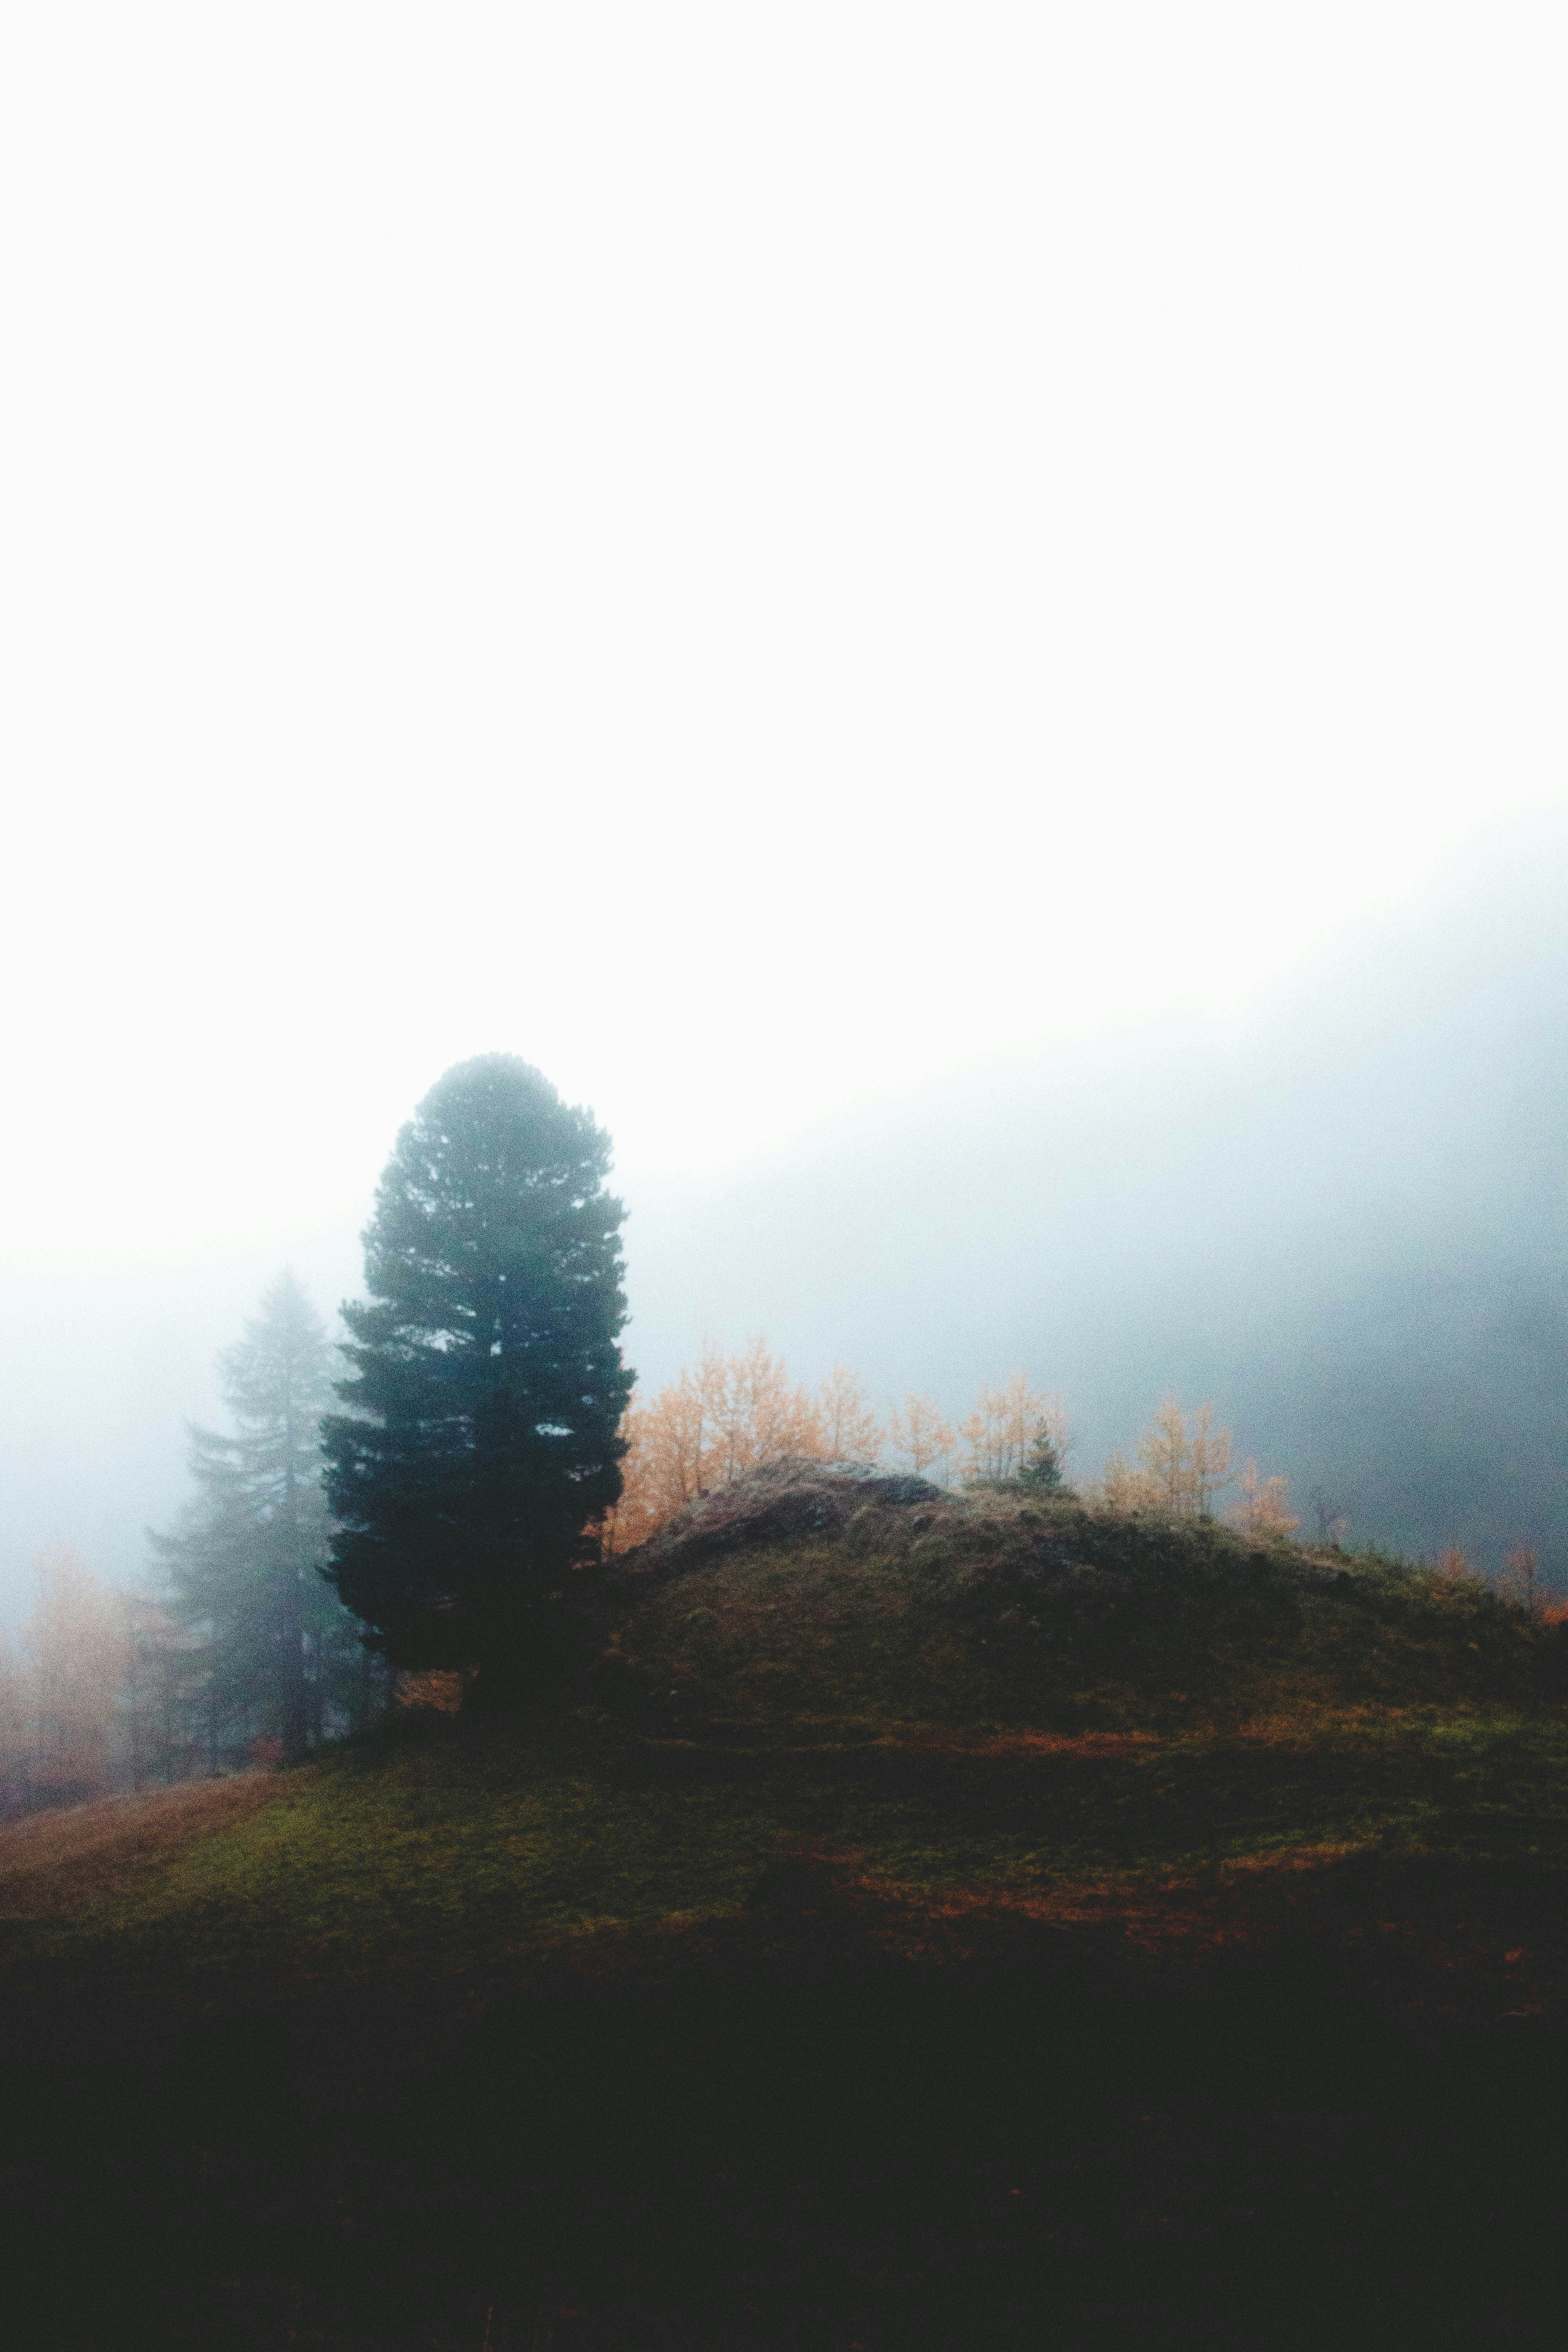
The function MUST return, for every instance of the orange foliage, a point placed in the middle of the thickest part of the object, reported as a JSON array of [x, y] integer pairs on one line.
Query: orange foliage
[[728, 1415], [717, 1421], [761, 1417], [1183, 1464], [1006, 1422], [1264, 1508], [1123, 1488], [916, 1428], [851, 1431], [77, 1646], [436, 1688]]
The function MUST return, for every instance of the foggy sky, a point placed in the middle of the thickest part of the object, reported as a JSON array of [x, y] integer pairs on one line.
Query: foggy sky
[[797, 569], [1344, 1226]]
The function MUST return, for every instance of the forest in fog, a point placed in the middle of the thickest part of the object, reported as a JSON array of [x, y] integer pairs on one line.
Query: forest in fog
[[235, 1650], [1347, 1231], [1348, 1244], [1344, 1244]]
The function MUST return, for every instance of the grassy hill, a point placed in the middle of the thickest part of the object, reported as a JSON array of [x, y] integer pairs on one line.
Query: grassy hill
[[909, 1919]]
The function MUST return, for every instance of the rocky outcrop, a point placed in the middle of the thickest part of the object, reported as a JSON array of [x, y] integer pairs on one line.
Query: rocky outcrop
[[792, 1497]]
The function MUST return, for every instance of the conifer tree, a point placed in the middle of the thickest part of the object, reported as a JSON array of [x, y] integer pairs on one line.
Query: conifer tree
[[481, 1450], [280, 1653], [1042, 1470]]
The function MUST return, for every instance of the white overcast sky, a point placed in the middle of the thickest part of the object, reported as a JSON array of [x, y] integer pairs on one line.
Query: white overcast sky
[[748, 554]]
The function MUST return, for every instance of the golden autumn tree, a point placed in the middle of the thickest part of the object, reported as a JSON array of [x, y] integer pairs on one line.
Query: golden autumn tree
[[918, 1430], [1186, 1461], [1263, 1506], [851, 1429], [1006, 1425], [717, 1420], [1165, 1457], [1124, 1488], [761, 1418], [76, 1646], [1183, 1464], [1211, 1459], [672, 1442]]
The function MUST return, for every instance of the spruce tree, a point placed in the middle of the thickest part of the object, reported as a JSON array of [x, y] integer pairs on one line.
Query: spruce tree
[[481, 1446], [282, 1657], [1042, 1465]]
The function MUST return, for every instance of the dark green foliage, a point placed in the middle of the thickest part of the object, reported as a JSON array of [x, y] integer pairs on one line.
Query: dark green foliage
[[1042, 1470], [481, 1446], [279, 1657]]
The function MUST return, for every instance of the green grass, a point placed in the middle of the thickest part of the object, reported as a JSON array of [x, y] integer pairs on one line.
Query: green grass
[[650, 2021], [924, 1717]]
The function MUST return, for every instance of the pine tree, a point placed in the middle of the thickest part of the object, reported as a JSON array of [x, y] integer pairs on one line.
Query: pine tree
[[481, 1450], [282, 1660], [1042, 1470]]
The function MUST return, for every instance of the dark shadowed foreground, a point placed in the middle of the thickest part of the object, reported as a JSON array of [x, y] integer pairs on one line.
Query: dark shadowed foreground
[[943, 1925]]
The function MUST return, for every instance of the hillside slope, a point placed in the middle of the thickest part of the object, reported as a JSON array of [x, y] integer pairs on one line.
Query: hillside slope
[[913, 1915], [949, 1702]]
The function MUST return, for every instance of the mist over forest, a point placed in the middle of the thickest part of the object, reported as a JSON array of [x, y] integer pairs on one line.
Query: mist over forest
[[1343, 1227], [1347, 1231], [784, 1420]]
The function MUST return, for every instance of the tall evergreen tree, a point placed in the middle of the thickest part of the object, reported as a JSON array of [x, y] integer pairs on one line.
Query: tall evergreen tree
[[282, 1656], [481, 1447]]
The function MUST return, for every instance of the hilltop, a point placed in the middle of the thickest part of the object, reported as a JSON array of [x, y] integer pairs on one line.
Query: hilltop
[[881, 1859]]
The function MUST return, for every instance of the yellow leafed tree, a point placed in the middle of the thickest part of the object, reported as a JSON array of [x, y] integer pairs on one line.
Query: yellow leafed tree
[[709, 1426], [762, 1417], [850, 1430], [1186, 1461], [1002, 1427], [1181, 1466], [1166, 1458], [1210, 1461], [76, 1645], [1123, 1488], [917, 1429], [1263, 1506]]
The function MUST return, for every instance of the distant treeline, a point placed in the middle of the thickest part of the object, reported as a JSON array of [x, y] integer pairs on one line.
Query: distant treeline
[[236, 1652], [417, 1501], [729, 1414], [239, 1651]]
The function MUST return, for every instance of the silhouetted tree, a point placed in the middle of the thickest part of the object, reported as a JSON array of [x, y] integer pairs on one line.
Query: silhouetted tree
[[481, 1448], [245, 1570]]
